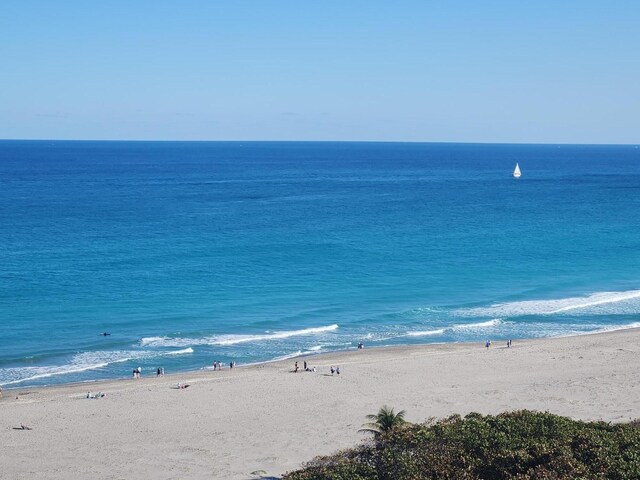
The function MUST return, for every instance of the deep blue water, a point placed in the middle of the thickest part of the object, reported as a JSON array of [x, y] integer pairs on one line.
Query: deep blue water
[[190, 252]]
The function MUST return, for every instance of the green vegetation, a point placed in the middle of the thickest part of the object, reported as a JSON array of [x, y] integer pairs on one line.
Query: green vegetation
[[519, 445], [384, 421]]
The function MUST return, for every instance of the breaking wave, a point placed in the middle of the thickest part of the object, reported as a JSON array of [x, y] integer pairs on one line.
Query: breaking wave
[[233, 339], [426, 333], [477, 326], [80, 362], [180, 352], [614, 328], [455, 328], [600, 303]]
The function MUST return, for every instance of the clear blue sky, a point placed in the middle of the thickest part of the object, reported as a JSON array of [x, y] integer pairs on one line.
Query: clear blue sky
[[467, 71]]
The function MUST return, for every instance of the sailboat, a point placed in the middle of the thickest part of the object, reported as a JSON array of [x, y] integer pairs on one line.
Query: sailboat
[[516, 172]]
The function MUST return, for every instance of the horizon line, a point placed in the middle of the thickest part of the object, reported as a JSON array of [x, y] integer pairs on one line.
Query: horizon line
[[314, 141]]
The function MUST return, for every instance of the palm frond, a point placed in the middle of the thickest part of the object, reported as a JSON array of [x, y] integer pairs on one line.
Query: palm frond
[[383, 421]]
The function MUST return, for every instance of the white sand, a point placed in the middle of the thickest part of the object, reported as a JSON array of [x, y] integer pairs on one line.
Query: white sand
[[230, 423]]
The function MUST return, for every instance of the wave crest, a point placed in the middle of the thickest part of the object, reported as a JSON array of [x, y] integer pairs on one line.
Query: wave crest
[[233, 339], [426, 333], [80, 362], [600, 303], [479, 325], [180, 352]]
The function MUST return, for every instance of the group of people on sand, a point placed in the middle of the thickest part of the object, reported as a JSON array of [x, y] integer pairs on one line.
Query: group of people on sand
[[95, 395], [488, 343], [218, 365], [137, 372], [306, 367]]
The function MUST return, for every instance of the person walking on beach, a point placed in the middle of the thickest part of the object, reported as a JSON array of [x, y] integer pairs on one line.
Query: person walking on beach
[[305, 366], [332, 370], [338, 370], [295, 368]]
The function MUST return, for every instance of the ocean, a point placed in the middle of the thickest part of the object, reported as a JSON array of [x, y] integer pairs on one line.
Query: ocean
[[188, 253]]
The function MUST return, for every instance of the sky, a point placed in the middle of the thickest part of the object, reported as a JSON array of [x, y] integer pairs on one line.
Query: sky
[[410, 70]]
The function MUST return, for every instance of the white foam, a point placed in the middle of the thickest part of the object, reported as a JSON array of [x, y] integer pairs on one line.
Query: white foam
[[150, 340], [316, 348], [614, 328], [425, 333], [603, 298], [578, 330], [232, 339], [35, 373], [180, 352], [600, 303], [477, 326], [79, 363]]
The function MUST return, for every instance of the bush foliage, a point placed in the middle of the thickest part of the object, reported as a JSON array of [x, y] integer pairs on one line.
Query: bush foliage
[[518, 445]]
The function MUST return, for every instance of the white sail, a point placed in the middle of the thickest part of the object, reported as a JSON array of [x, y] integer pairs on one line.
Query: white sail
[[516, 172]]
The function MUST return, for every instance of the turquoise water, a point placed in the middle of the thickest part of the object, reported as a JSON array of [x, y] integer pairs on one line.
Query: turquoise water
[[188, 253]]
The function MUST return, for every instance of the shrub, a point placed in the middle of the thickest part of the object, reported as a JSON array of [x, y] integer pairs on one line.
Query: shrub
[[518, 445]]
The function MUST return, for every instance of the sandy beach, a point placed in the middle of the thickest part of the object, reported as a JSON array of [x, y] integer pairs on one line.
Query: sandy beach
[[229, 423]]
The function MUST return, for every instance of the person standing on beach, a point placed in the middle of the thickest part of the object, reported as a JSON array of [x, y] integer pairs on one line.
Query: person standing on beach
[[295, 368]]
